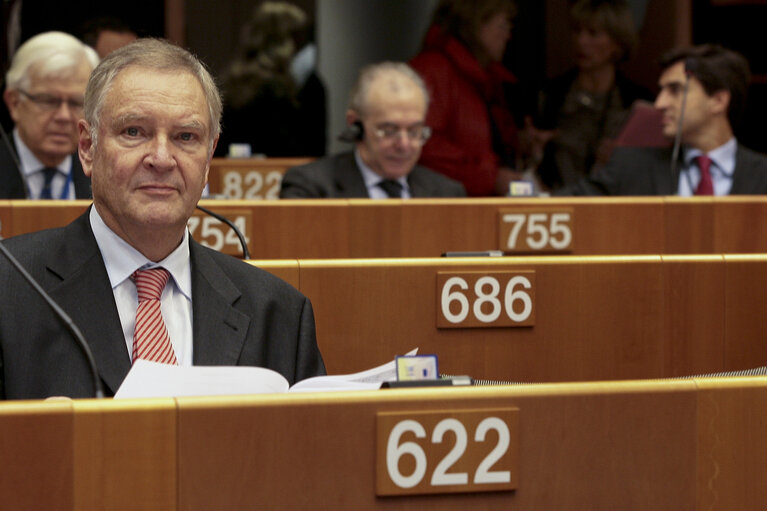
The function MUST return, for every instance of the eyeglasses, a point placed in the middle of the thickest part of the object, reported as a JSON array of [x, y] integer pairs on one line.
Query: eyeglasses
[[51, 103], [391, 132]]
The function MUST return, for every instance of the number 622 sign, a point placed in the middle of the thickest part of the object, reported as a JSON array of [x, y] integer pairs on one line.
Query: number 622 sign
[[447, 451]]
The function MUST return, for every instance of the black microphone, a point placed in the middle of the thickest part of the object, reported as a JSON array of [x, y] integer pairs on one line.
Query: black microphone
[[245, 252], [63, 316], [689, 69]]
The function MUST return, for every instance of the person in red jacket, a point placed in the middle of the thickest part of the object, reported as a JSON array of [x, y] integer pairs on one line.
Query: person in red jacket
[[474, 137]]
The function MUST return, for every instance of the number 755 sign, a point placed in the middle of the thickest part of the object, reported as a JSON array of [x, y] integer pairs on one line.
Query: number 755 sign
[[539, 230]]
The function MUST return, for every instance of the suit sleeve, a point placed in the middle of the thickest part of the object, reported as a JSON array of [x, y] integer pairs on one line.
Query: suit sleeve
[[308, 358]]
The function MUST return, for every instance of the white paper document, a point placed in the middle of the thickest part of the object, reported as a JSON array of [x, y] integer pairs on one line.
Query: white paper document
[[151, 379]]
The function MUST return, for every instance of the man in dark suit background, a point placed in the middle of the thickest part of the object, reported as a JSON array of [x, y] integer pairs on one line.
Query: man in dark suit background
[[44, 95], [711, 161], [152, 119], [386, 122]]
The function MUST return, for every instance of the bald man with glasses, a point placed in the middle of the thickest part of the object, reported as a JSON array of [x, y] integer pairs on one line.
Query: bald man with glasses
[[44, 95], [386, 123]]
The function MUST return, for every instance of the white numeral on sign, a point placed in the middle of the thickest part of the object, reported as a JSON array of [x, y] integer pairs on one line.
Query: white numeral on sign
[[537, 231], [517, 303], [252, 184], [214, 234], [441, 475]]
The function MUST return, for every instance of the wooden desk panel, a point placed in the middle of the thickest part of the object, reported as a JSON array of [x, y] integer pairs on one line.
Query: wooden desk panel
[[746, 299], [597, 318], [363, 228], [5, 218], [662, 445], [36, 215], [581, 447]]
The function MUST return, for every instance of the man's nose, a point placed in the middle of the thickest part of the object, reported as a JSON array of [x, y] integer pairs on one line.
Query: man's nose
[[67, 113], [160, 156]]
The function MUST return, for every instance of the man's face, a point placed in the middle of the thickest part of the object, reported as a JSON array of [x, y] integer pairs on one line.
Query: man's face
[[699, 108], [151, 161], [50, 132], [391, 113]]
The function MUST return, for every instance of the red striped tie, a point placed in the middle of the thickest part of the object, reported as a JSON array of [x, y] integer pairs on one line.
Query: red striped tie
[[151, 340]]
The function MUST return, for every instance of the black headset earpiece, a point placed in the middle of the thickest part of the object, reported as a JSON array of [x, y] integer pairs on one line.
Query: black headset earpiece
[[354, 132]]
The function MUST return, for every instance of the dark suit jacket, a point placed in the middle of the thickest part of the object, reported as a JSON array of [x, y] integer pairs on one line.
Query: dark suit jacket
[[338, 177], [647, 171], [12, 185], [242, 316]]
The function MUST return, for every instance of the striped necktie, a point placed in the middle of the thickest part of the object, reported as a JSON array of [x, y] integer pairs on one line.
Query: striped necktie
[[150, 339]]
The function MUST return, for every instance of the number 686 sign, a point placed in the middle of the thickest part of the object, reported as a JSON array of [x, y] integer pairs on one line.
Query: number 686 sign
[[475, 299]]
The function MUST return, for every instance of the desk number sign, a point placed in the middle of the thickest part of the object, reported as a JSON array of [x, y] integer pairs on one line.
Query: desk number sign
[[545, 230], [447, 451], [251, 184], [475, 299], [217, 235]]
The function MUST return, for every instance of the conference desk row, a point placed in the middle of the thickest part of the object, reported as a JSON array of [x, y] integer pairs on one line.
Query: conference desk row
[[363, 228], [540, 319], [676, 445]]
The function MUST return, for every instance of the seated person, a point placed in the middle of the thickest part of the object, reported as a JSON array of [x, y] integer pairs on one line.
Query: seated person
[[386, 119], [710, 162], [44, 95], [126, 271]]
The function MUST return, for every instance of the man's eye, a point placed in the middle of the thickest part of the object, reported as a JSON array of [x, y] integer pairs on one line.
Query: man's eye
[[132, 132], [186, 137]]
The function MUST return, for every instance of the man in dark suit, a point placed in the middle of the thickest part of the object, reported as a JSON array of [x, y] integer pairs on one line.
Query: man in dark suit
[[386, 121], [44, 95], [152, 117], [710, 162]]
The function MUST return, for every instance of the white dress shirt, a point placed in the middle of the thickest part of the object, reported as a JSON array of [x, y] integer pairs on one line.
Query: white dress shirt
[[372, 179], [62, 186], [121, 260], [722, 169]]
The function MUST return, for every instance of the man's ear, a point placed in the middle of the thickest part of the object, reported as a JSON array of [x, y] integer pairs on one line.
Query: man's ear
[[11, 98], [720, 101], [210, 156], [85, 146]]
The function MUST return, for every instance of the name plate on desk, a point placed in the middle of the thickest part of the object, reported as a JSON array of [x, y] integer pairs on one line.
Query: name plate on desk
[[215, 234], [476, 299], [248, 183], [447, 451], [549, 230]]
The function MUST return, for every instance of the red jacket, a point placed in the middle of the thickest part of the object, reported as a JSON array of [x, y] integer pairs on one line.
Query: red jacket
[[462, 92]]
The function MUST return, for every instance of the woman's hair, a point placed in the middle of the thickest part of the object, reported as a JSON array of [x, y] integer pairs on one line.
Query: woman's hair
[[462, 19], [612, 16], [267, 46]]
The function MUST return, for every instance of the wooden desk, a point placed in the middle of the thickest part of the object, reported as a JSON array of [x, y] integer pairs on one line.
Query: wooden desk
[[362, 228], [596, 318], [693, 445]]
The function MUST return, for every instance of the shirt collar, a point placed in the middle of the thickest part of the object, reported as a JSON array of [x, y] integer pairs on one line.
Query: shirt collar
[[371, 177], [722, 158], [121, 259], [29, 162]]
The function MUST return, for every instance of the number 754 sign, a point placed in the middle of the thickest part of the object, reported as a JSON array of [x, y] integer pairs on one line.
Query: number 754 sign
[[540, 230]]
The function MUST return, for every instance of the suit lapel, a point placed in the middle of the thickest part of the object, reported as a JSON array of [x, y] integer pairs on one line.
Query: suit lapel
[[744, 181], [85, 293], [348, 178], [219, 328]]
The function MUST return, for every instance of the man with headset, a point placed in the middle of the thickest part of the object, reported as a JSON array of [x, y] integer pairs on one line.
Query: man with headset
[[385, 121]]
